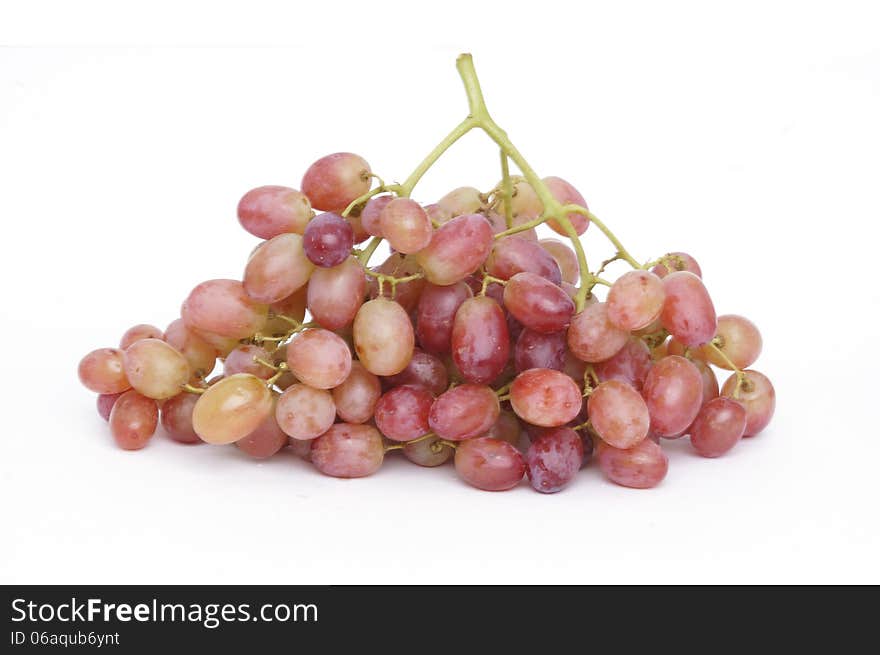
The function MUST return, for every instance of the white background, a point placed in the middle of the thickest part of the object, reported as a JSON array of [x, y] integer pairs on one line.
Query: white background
[[746, 134]]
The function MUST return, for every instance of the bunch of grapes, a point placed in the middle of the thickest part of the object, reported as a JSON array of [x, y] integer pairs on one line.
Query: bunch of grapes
[[475, 340]]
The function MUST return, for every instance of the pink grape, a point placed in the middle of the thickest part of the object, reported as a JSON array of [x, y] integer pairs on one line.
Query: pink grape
[[498, 221], [489, 464], [429, 452], [348, 451], [177, 418], [319, 358], [679, 261], [506, 427], [302, 448], [545, 397], [155, 369], [515, 254], [525, 203], [424, 369], [371, 213], [641, 467], [592, 337], [138, 332], [688, 313], [105, 403], [222, 345], [673, 392], [457, 249], [405, 225], [400, 266], [356, 398], [718, 427], [538, 304], [242, 360], [537, 350], [328, 240], [480, 340], [266, 440], [133, 420], [757, 396], [268, 211], [223, 308], [710, 381], [231, 409], [102, 371], [304, 412], [566, 194], [294, 306], [277, 269], [618, 414], [335, 181], [436, 313], [383, 336], [553, 459], [635, 300], [464, 412], [463, 200], [359, 233], [740, 340], [565, 258], [200, 355], [402, 413], [336, 294], [631, 364]]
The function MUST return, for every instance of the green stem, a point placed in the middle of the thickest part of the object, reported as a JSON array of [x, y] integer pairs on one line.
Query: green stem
[[507, 187], [459, 131], [364, 257]]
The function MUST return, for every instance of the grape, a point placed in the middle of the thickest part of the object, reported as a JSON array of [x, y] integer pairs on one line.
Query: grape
[[635, 300], [688, 313], [133, 420], [372, 212], [335, 294], [710, 382], [679, 261], [177, 417], [463, 200], [437, 214], [674, 394], [718, 427], [222, 307], [506, 427], [319, 358], [155, 369], [457, 249], [538, 304], [399, 266], [405, 225], [565, 258], [757, 396], [740, 340], [631, 364], [222, 345], [138, 332], [301, 447], [356, 398], [545, 397], [537, 350], [423, 369], [105, 403], [436, 313], [618, 414], [592, 337], [641, 467], [304, 412], [278, 268], [242, 360], [574, 367], [525, 203], [294, 306], [266, 440], [102, 371], [348, 451], [199, 354], [566, 194], [553, 459], [515, 254], [498, 222], [402, 413], [429, 452], [587, 442], [335, 181], [480, 340], [489, 464], [231, 409], [464, 412], [328, 240], [383, 336], [268, 211], [359, 233]]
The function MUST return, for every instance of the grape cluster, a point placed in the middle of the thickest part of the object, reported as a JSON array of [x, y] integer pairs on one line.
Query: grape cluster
[[475, 340]]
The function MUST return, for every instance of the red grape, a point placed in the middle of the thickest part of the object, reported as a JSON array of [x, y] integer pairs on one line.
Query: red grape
[[231, 409], [553, 459], [480, 340], [383, 336], [277, 269], [566, 194], [222, 307], [328, 240], [718, 427], [200, 355], [177, 418], [348, 451], [133, 420], [103, 371], [489, 464], [423, 369], [679, 261], [356, 398], [545, 397], [105, 403], [592, 337], [242, 360], [428, 452], [335, 181], [631, 364], [635, 300], [618, 414], [688, 313], [268, 211], [304, 412], [515, 254], [464, 412], [155, 369], [436, 313], [740, 340], [537, 350], [336, 294], [371, 213], [757, 396], [266, 440], [402, 413], [405, 225], [565, 258], [138, 332], [674, 394], [319, 358], [538, 304], [463, 200], [641, 467], [457, 249]]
